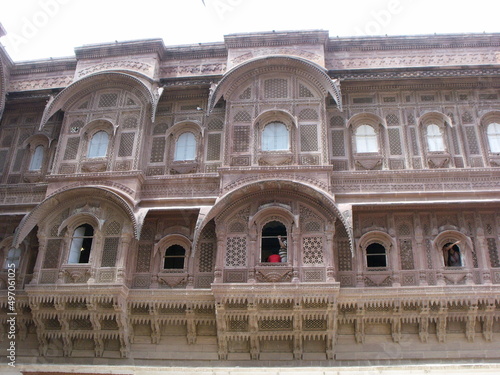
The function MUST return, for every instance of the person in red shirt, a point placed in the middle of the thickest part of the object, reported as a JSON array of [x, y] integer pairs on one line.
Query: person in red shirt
[[274, 257]]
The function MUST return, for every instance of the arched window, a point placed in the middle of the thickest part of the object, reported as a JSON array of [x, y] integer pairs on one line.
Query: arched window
[[81, 244], [452, 256], [174, 258], [275, 137], [493, 133], [376, 256], [435, 141], [13, 257], [366, 139], [274, 243], [185, 147], [98, 146], [36, 159]]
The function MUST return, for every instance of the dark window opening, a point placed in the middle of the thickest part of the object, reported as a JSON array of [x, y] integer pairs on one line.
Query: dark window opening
[[81, 244], [375, 256], [174, 258], [274, 243], [452, 256]]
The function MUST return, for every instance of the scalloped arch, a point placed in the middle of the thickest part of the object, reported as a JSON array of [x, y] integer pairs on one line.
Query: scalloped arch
[[50, 203], [316, 75], [366, 119], [149, 94], [433, 117]]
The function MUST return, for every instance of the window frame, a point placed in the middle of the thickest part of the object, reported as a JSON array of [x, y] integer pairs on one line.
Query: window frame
[[434, 139], [73, 248], [99, 145], [274, 137], [183, 257], [192, 148], [495, 135], [363, 140], [38, 158]]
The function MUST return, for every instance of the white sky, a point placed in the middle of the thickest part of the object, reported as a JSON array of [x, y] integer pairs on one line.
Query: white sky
[[39, 29]]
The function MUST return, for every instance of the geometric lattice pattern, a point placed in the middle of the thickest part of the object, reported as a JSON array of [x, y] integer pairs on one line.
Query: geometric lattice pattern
[[110, 251], [108, 100], [314, 324], [467, 118], [143, 258], [312, 250], [18, 160], [394, 142], [247, 94], [126, 144], [71, 148], [236, 248], [337, 122], [338, 146], [304, 92], [206, 257], [405, 247], [472, 140], [52, 253], [213, 145], [242, 116], [308, 114], [130, 123], [392, 119], [493, 251], [345, 256], [308, 138], [275, 324], [157, 150], [275, 88], [215, 124], [241, 138], [113, 227]]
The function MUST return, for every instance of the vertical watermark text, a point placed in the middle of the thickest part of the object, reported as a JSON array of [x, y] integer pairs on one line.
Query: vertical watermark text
[[11, 314]]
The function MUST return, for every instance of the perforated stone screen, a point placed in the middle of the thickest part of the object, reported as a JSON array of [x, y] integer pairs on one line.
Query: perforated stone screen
[[275, 88], [109, 251], [71, 148], [213, 146], [241, 138], [308, 138], [126, 144]]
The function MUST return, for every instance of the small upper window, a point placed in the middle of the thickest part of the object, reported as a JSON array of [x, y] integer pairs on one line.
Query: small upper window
[[174, 258], [98, 145], [36, 160], [434, 138], [81, 244], [185, 147], [13, 257], [275, 137], [366, 139], [493, 133], [376, 256]]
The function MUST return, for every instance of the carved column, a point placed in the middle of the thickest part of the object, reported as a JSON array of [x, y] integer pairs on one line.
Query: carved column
[[482, 250], [328, 252], [123, 250], [42, 248], [221, 251], [332, 324]]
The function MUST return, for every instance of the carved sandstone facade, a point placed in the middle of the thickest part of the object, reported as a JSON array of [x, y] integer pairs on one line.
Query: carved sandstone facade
[[143, 189]]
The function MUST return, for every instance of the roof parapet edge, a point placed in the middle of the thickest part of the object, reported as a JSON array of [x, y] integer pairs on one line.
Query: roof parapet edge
[[275, 38]]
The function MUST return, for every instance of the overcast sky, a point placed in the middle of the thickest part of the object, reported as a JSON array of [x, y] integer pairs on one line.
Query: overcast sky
[[38, 29]]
